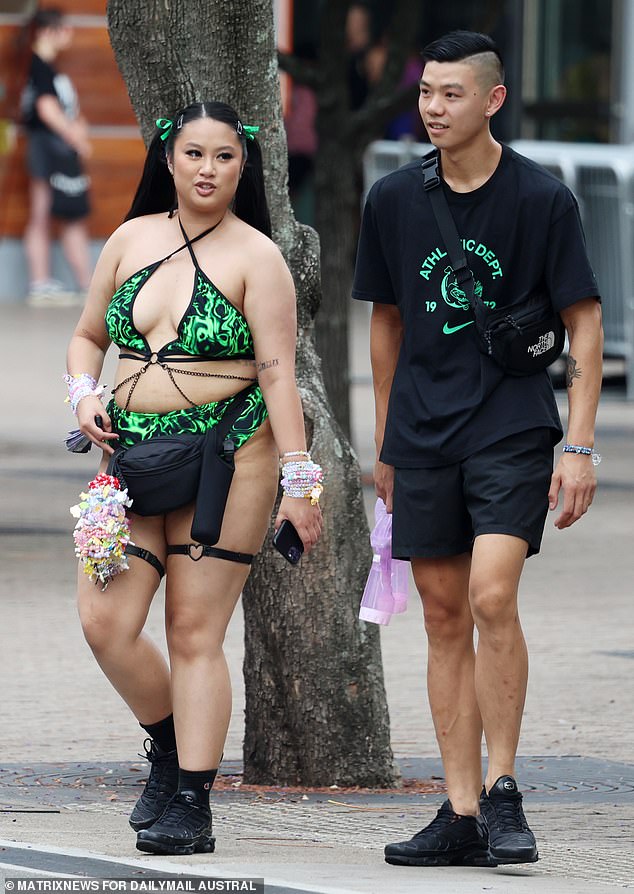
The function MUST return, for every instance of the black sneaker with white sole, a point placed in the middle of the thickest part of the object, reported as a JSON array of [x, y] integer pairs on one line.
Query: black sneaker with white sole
[[510, 839], [183, 828], [449, 840]]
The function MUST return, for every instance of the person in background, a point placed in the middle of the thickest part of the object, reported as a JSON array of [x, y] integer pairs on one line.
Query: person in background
[[57, 145], [358, 41], [301, 138]]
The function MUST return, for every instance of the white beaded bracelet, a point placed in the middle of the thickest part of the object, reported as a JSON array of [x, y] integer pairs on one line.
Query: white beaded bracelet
[[80, 386]]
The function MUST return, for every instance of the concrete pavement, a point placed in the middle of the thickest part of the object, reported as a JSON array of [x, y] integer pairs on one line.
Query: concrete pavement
[[68, 773]]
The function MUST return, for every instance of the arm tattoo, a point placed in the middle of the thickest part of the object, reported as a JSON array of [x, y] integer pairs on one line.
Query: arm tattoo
[[572, 370], [267, 364]]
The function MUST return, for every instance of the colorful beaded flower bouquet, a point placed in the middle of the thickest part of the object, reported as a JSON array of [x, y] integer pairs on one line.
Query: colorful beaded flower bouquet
[[102, 532]]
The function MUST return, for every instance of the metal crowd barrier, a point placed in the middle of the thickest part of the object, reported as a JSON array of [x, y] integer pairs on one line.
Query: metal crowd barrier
[[602, 179]]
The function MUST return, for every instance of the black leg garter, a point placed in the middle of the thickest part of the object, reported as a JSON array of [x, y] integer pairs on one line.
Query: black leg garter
[[138, 551], [196, 551]]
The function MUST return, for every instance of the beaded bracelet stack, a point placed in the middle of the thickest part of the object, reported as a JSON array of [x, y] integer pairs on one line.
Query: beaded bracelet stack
[[80, 386], [302, 478]]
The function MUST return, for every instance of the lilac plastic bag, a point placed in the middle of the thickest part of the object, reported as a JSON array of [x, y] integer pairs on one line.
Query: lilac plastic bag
[[386, 589]]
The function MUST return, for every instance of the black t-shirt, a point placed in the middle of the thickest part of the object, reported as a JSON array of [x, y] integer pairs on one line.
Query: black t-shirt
[[44, 80], [521, 232]]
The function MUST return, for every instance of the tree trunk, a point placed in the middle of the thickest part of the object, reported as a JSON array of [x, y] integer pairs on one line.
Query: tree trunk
[[316, 712]]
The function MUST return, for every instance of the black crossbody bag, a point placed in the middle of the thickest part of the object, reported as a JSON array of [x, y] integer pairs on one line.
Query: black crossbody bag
[[168, 471], [522, 338]]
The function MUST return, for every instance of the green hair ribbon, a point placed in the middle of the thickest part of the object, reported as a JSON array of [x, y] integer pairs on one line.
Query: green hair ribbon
[[248, 130], [251, 130], [165, 124]]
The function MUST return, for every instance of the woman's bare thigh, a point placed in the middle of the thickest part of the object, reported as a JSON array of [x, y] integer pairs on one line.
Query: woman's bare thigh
[[126, 601], [250, 501], [201, 595]]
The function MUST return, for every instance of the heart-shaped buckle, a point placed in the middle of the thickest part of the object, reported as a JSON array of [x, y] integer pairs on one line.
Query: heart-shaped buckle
[[196, 551]]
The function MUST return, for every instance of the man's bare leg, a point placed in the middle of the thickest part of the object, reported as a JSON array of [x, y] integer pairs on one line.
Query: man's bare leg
[[443, 585], [501, 665], [501, 674]]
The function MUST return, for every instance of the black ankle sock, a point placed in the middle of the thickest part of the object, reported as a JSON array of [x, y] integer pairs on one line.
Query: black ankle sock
[[197, 781], [162, 732]]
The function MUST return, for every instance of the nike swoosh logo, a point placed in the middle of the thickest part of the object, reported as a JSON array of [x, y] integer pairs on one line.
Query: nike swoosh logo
[[448, 330]]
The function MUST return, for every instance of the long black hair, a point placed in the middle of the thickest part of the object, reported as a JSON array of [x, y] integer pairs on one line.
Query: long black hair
[[156, 191]]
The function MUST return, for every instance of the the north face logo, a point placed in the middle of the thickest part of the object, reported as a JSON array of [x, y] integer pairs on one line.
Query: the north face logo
[[545, 343]]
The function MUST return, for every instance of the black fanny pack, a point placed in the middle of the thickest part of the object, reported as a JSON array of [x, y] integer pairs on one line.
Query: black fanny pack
[[523, 338], [166, 472]]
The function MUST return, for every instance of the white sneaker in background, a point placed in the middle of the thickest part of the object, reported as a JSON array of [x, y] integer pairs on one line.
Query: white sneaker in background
[[51, 293]]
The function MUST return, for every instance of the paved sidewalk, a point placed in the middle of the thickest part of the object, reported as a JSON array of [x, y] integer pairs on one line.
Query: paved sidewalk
[[69, 748]]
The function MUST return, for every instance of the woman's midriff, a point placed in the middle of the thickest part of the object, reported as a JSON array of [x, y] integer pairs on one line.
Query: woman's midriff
[[155, 391]]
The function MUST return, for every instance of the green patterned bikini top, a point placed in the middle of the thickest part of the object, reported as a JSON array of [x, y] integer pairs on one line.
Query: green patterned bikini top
[[211, 328]]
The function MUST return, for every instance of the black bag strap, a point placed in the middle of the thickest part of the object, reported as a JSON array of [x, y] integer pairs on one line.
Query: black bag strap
[[449, 233], [221, 431]]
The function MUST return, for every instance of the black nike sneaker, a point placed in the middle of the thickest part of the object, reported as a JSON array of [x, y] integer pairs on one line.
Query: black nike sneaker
[[161, 784], [510, 839], [184, 828], [449, 840]]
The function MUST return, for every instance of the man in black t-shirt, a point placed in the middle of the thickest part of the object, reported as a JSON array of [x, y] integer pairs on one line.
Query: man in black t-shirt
[[465, 450], [57, 145]]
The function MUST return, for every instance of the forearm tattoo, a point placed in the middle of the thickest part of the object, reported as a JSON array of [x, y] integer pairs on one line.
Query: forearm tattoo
[[572, 370], [267, 364]]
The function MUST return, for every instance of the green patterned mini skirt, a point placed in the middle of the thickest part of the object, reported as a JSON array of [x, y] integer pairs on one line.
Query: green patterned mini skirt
[[133, 427]]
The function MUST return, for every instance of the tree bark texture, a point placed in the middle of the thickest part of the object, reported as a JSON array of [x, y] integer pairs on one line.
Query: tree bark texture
[[316, 712]]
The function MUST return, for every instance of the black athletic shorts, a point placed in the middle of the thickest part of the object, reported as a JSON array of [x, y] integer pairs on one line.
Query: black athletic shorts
[[51, 159], [501, 489]]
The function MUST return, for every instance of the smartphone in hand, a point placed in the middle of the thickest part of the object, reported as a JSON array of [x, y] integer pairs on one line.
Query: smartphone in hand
[[288, 542], [77, 442]]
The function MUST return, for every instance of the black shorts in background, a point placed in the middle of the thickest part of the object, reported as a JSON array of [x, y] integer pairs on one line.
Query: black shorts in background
[[51, 159], [501, 489]]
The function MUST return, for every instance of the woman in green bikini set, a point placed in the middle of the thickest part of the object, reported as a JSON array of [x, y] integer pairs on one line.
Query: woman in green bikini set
[[190, 348]]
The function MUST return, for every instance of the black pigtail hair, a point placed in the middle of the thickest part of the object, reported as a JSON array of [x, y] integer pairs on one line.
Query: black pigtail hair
[[250, 203], [155, 192]]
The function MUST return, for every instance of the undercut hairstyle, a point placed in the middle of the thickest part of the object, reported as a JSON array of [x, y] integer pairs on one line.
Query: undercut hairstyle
[[476, 49], [156, 192]]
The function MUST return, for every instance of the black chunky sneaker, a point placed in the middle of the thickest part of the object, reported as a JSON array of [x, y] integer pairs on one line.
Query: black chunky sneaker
[[184, 828], [449, 840], [510, 839], [161, 784]]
